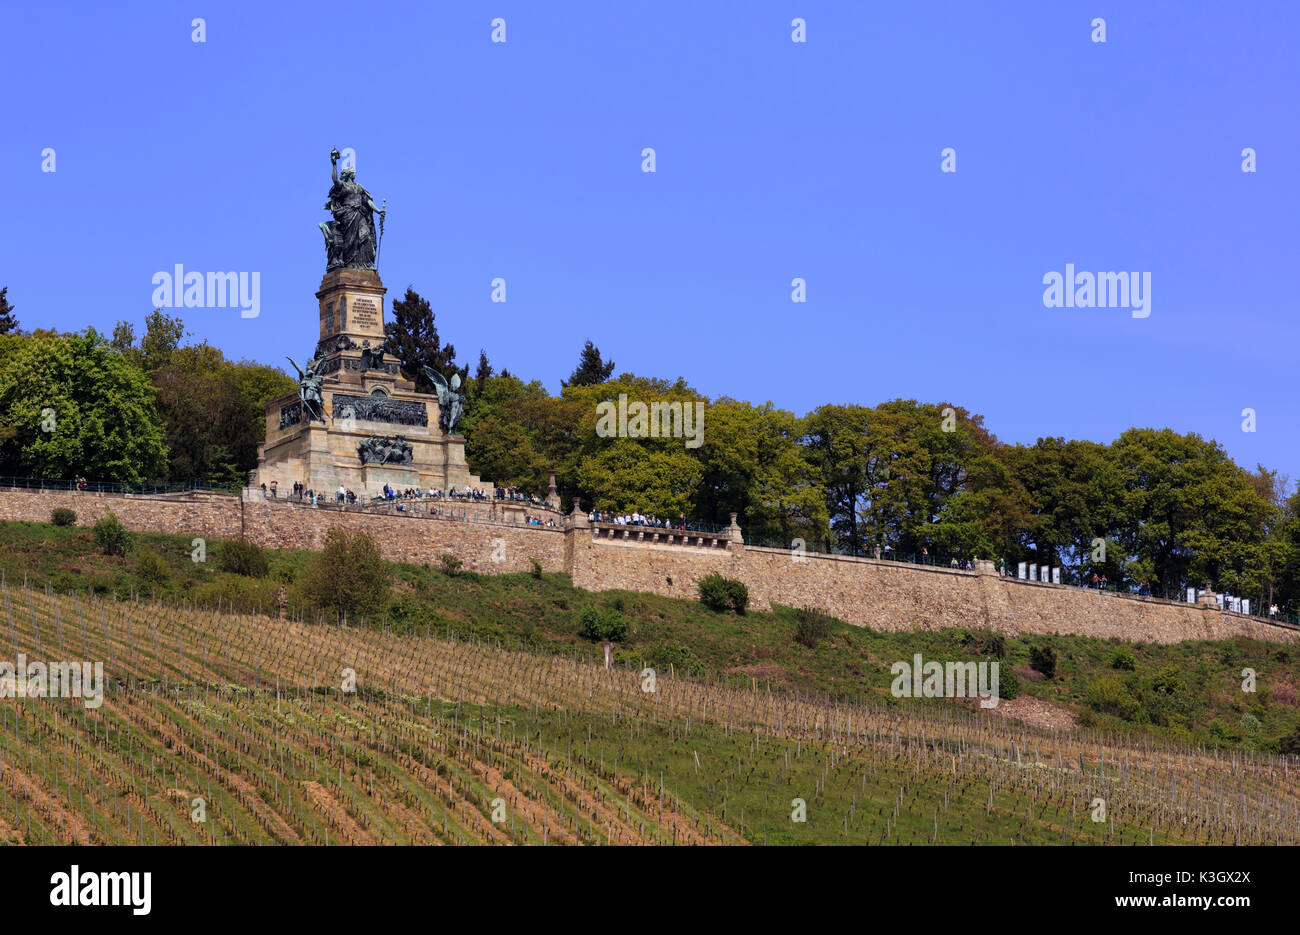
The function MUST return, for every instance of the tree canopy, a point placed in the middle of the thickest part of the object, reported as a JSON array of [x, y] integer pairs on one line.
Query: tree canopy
[[76, 407], [413, 339]]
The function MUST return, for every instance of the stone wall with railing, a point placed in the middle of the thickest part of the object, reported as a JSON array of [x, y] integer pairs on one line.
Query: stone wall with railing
[[489, 538]]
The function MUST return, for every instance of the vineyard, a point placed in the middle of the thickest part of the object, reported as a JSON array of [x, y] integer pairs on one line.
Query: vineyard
[[225, 728]]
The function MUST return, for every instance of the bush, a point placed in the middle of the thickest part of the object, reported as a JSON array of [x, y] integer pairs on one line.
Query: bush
[[1168, 682], [450, 564], [1008, 683], [404, 610], [150, 566], [62, 516], [722, 594], [1123, 659], [995, 645], [537, 567], [1109, 695], [675, 656], [602, 626], [111, 536], [1043, 659], [811, 626], [1290, 744], [241, 557], [238, 594], [981, 642], [348, 575]]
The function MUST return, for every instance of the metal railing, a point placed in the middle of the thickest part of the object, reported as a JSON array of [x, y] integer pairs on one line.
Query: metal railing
[[117, 487], [676, 526], [950, 562]]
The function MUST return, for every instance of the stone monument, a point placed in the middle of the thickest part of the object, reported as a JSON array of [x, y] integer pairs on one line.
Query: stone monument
[[355, 419]]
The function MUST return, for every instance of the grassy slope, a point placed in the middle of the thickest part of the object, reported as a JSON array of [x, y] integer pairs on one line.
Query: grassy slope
[[245, 716], [852, 663]]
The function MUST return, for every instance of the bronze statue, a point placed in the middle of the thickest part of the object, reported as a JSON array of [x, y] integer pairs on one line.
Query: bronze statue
[[350, 239], [309, 388], [381, 449], [450, 402]]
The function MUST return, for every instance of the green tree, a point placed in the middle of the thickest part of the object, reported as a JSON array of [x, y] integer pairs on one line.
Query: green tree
[[481, 373], [988, 516], [162, 336], [8, 322], [1076, 496], [1189, 513], [413, 339], [77, 407], [755, 466], [889, 471], [123, 340], [837, 443], [591, 368], [508, 427], [503, 452], [214, 412], [628, 477], [111, 536], [655, 476], [1287, 562], [347, 576]]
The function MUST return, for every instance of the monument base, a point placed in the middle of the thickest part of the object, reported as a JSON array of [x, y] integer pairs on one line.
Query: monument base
[[374, 476], [371, 409]]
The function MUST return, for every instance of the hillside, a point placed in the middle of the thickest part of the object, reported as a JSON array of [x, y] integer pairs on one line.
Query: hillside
[[1188, 692], [226, 728]]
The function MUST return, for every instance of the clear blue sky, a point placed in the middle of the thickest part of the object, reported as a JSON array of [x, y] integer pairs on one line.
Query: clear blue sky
[[775, 160]]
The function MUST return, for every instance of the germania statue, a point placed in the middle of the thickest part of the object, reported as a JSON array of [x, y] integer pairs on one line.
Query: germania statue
[[351, 241]]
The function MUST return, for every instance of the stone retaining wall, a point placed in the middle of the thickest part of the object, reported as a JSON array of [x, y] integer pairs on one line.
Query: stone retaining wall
[[879, 594]]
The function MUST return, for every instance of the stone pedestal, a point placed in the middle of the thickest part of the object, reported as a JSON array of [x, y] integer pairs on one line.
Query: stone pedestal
[[352, 306], [365, 395]]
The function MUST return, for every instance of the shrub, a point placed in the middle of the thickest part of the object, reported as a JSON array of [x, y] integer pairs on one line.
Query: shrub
[[1290, 744], [722, 594], [811, 626], [150, 566], [674, 656], [241, 557], [1109, 695], [1123, 659], [995, 645], [404, 610], [1043, 659], [62, 516], [111, 536], [1168, 682], [602, 626], [239, 594], [537, 567], [451, 565], [1008, 683], [348, 575]]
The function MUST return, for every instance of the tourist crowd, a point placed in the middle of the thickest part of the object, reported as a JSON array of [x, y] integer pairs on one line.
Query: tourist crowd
[[636, 519]]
